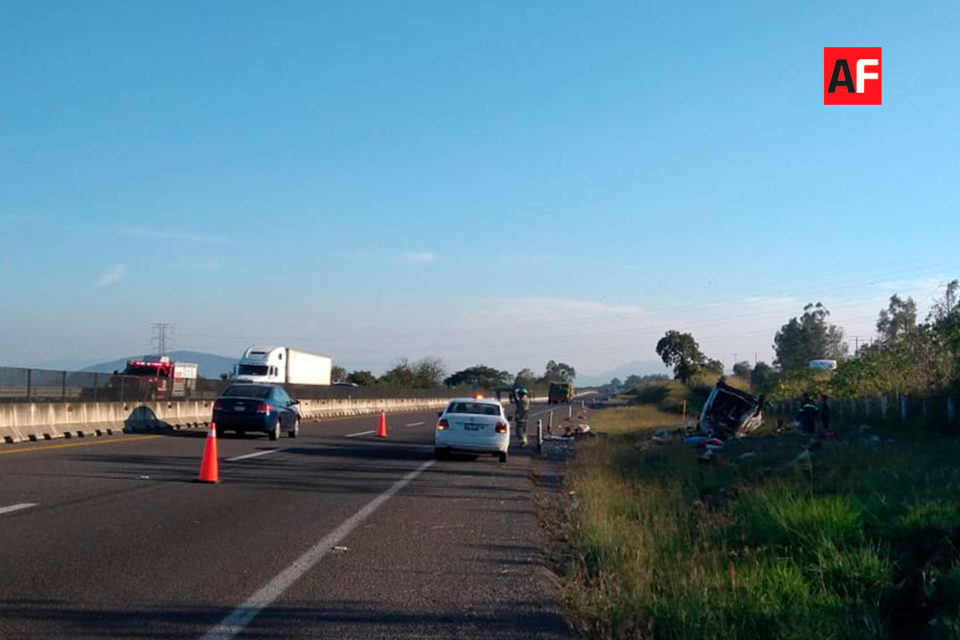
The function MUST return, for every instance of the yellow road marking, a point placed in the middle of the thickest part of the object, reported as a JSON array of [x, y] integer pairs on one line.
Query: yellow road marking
[[77, 444]]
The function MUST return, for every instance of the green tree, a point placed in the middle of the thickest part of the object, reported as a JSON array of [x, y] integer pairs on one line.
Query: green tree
[[479, 376], [763, 378], [362, 378], [714, 366], [559, 372], [807, 338], [525, 378], [742, 369], [338, 374], [681, 351], [429, 373], [898, 320], [401, 374], [947, 308], [426, 373]]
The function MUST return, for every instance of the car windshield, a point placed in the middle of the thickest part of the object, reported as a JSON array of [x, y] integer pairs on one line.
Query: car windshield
[[476, 408], [246, 391], [252, 370]]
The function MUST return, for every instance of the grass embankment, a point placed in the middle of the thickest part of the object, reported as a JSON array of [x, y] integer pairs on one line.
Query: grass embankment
[[861, 541]]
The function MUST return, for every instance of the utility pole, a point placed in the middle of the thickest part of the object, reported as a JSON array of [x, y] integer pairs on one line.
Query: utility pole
[[161, 332]]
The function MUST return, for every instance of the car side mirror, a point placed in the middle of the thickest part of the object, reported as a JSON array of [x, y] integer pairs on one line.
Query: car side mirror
[[439, 414]]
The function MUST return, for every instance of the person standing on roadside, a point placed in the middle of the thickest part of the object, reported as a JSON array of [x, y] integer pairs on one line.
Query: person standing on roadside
[[808, 414], [522, 411], [824, 413]]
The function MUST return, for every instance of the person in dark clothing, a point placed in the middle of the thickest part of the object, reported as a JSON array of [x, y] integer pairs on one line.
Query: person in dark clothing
[[521, 412], [808, 414], [824, 413]]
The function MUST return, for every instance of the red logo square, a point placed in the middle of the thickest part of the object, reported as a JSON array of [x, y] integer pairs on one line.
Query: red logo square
[[851, 75]]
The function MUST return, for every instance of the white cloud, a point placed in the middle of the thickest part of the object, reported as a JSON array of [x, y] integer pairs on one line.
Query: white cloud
[[111, 275], [419, 257]]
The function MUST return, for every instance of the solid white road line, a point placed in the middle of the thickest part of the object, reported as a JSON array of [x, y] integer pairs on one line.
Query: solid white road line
[[17, 507], [414, 424], [237, 620], [258, 453], [362, 433]]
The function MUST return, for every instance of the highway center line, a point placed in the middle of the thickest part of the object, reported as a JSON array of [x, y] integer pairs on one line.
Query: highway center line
[[258, 453], [47, 447], [414, 424], [17, 507], [362, 433], [240, 617]]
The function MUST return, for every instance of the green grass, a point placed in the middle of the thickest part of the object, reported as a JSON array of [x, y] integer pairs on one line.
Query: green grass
[[862, 542]]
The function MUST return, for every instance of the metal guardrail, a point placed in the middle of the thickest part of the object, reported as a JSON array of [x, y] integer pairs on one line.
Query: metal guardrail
[[44, 385]]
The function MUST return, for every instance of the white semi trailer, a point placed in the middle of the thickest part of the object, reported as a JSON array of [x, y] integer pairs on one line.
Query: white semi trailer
[[283, 365]]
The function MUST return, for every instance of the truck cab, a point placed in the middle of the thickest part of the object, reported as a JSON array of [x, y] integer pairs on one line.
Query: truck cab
[[560, 392], [264, 365], [155, 378]]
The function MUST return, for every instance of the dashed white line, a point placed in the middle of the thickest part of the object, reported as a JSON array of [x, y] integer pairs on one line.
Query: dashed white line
[[239, 618], [17, 507], [414, 424], [254, 455], [362, 433]]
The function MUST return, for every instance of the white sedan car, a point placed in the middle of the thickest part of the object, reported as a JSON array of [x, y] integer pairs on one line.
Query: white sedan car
[[473, 425]]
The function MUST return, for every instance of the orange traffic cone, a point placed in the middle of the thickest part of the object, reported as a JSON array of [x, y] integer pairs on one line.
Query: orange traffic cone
[[209, 468], [382, 429]]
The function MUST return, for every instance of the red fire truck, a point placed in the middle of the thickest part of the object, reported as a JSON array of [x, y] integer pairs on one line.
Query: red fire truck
[[155, 378]]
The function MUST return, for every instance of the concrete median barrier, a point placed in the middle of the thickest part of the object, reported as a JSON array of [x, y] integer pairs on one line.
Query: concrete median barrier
[[36, 421]]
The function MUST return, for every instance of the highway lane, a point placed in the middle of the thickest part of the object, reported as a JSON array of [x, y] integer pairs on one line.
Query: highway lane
[[119, 542]]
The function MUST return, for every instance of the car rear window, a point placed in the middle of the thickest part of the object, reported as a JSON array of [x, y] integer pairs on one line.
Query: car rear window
[[476, 408], [246, 391]]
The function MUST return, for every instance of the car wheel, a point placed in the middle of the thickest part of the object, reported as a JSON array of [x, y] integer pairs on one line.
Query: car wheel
[[293, 433], [502, 456], [275, 431], [441, 454]]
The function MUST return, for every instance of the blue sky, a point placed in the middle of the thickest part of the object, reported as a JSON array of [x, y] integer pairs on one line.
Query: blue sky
[[490, 182]]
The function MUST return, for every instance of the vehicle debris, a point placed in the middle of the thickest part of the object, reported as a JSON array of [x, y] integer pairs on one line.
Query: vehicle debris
[[730, 412]]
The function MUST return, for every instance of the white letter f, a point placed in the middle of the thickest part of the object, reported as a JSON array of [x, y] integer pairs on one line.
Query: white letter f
[[861, 75]]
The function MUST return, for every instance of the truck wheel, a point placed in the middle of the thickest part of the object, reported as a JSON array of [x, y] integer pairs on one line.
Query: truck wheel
[[275, 431], [296, 429]]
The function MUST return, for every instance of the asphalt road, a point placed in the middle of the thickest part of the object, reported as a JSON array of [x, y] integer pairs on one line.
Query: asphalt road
[[335, 534]]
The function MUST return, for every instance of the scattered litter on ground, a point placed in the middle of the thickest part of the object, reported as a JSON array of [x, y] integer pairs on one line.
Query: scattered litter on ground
[[340, 549]]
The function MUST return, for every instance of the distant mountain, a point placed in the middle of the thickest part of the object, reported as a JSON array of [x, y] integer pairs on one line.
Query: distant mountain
[[209, 365], [635, 367]]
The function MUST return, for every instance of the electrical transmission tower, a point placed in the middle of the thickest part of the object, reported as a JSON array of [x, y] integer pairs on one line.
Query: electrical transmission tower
[[162, 336]]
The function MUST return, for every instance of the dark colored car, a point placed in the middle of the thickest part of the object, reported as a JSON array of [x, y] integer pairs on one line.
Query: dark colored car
[[265, 408]]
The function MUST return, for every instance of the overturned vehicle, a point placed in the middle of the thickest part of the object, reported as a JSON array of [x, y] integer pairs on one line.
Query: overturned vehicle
[[730, 412]]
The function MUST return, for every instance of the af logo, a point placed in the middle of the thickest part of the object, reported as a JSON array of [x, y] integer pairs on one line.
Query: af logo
[[851, 75]]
